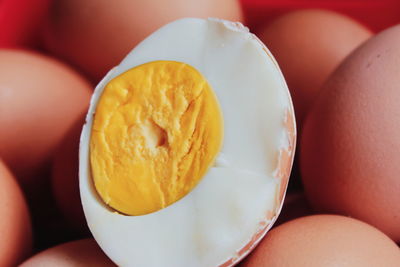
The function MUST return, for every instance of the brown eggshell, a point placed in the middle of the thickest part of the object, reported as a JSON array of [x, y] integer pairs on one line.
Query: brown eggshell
[[39, 100], [15, 225], [72, 254], [324, 240], [350, 145], [309, 45], [65, 178], [95, 35]]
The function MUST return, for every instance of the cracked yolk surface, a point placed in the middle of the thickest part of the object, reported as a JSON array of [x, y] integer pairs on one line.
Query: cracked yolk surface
[[157, 129]]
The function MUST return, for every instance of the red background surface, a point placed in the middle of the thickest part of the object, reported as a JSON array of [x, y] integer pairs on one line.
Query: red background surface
[[20, 20]]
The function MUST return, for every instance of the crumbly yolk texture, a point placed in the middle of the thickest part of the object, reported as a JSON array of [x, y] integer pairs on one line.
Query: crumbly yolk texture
[[157, 129]]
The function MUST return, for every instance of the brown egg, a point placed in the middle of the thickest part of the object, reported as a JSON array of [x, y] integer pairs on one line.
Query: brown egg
[[324, 240], [309, 45], [95, 35], [15, 225], [79, 253], [65, 178], [39, 100], [350, 145]]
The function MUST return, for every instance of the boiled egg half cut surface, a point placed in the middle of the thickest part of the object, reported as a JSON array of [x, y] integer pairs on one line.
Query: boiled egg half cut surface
[[187, 148]]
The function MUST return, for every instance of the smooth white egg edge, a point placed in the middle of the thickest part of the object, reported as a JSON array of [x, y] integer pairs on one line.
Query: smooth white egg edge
[[195, 230]]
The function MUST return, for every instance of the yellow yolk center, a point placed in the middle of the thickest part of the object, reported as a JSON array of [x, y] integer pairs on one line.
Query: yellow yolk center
[[156, 131]]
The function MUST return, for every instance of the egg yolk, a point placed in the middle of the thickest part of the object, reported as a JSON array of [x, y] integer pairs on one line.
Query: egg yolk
[[156, 131]]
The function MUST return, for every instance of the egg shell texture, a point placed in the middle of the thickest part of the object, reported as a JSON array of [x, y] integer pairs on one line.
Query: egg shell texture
[[350, 145], [79, 253], [309, 44], [324, 240], [39, 100], [15, 225]]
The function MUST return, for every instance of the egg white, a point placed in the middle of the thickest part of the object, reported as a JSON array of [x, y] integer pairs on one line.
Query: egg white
[[228, 207]]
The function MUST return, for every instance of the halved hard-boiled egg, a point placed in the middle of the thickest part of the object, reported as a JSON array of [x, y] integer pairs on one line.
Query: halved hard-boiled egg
[[187, 148]]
